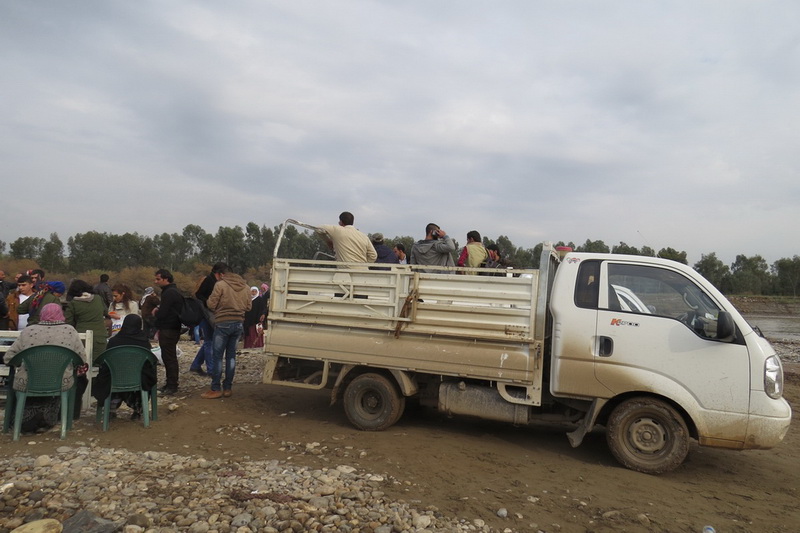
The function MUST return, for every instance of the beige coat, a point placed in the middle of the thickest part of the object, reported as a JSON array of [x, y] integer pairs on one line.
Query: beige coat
[[230, 299]]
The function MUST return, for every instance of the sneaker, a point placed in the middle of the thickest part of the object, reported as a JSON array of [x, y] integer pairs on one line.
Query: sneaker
[[227, 393], [198, 371], [167, 391], [211, 394]]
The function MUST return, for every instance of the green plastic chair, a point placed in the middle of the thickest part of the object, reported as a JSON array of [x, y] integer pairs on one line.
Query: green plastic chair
[[125, 364], [45, 366]]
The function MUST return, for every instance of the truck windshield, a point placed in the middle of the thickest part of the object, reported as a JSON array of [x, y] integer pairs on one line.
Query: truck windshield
[[661, 292]]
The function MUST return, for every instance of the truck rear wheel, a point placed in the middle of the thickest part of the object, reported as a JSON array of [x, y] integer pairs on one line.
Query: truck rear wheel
[[373, 403], [647, 435]]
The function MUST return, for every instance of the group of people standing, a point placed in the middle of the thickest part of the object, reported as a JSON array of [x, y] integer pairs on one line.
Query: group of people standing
[[25, 298], [436, 249], [232, 311], [46, 312]]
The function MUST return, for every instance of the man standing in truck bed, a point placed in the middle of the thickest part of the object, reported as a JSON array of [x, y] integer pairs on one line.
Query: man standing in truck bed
[[349, 244], [435, 249]]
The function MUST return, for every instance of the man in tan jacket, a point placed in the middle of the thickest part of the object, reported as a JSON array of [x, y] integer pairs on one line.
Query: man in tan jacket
[[229, 301]]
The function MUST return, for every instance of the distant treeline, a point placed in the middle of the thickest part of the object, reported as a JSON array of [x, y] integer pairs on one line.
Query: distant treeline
[[250, 249]]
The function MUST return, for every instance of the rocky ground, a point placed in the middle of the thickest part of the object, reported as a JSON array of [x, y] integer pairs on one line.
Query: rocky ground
[[274, 459]]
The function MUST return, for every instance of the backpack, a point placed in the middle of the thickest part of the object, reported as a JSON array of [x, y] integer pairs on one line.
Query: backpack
[[192, 312]]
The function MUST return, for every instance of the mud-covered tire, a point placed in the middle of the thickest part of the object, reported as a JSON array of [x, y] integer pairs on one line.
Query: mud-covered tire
[[647, 435], [373, 403]]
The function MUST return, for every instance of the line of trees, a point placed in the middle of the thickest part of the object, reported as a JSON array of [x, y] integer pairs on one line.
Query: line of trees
[[251, 248]]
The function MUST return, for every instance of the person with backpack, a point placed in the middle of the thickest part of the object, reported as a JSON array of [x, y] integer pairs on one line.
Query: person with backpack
[[168, 323], [229, 301], [206, 352]]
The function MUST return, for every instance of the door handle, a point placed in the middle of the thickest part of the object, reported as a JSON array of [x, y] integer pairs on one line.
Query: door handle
[[606, 347]]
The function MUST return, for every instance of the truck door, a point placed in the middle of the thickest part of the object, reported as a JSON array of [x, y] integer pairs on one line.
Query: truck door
[[657, 331]]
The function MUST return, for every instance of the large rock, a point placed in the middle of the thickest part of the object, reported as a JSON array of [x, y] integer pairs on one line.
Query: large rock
[[88, 522], [48, 525]]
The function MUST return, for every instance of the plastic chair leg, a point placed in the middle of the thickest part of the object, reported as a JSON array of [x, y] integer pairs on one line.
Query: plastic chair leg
[[145, 408], [106, 412], [66, 414], [20, 407]]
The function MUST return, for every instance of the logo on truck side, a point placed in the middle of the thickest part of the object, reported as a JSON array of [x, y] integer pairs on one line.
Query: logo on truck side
[[620, 322]]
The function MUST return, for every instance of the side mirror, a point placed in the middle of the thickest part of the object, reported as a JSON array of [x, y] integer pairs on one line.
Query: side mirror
[[726, 329]]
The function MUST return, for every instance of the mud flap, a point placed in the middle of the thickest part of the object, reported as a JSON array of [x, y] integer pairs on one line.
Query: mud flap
[[576, 436], [342, 374]]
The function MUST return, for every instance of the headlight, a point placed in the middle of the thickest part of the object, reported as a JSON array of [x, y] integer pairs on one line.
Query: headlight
[[773, 377]]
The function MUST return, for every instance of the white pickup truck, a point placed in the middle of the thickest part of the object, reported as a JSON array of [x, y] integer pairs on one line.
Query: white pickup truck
[[643, 346]]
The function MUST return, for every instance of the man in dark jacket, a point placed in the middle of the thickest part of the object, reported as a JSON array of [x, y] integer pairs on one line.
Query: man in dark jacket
[[168, 323], [385, 254], [104, 291]]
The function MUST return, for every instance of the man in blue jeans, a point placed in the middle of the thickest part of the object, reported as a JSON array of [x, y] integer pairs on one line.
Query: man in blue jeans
[[229, 301], [206, 352]]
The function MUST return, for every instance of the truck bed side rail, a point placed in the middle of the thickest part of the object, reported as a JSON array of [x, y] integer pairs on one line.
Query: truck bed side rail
[[402, 299]]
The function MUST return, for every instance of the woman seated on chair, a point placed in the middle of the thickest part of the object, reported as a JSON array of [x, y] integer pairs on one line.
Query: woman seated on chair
[[130, 334], [43, 413]]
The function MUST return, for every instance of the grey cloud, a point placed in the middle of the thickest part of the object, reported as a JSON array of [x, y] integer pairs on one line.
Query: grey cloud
[[540, 121]]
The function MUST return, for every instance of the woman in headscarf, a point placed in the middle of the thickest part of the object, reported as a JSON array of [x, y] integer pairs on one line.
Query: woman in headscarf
[[131, 333], [254, 320], [86, 311], [43, 413]]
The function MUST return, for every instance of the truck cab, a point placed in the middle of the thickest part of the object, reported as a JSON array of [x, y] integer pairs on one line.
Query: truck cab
[[661, 352]]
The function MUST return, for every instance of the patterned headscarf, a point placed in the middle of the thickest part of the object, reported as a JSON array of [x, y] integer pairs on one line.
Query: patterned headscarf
[[147, 292], [51, 314], [36, 299]]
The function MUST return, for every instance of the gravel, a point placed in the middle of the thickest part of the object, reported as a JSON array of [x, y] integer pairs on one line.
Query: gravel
[[90, 488]]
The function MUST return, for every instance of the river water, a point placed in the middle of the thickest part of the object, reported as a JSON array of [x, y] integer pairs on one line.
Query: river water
[[777, 327]]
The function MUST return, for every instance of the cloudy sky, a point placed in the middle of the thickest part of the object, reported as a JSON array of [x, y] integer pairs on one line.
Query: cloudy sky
[[670, 123]]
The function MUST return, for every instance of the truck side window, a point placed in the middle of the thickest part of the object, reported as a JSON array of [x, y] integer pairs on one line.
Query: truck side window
[[658, 291], [587, 289]]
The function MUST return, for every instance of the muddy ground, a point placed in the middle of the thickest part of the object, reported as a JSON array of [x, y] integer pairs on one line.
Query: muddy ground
[[465, 468]]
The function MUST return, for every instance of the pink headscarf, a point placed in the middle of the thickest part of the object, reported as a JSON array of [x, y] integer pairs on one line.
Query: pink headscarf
[[264, 288], [51, 314]]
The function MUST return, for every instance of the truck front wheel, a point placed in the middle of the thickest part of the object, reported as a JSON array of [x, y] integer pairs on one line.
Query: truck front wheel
[[647, 435], [373, 403]]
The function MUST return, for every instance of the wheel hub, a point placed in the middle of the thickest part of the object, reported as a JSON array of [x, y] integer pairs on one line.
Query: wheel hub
[[371, 403], [647, 435]]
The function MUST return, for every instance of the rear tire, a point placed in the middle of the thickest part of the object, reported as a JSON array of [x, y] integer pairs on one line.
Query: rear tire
[[647, 435], [373, 403]]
